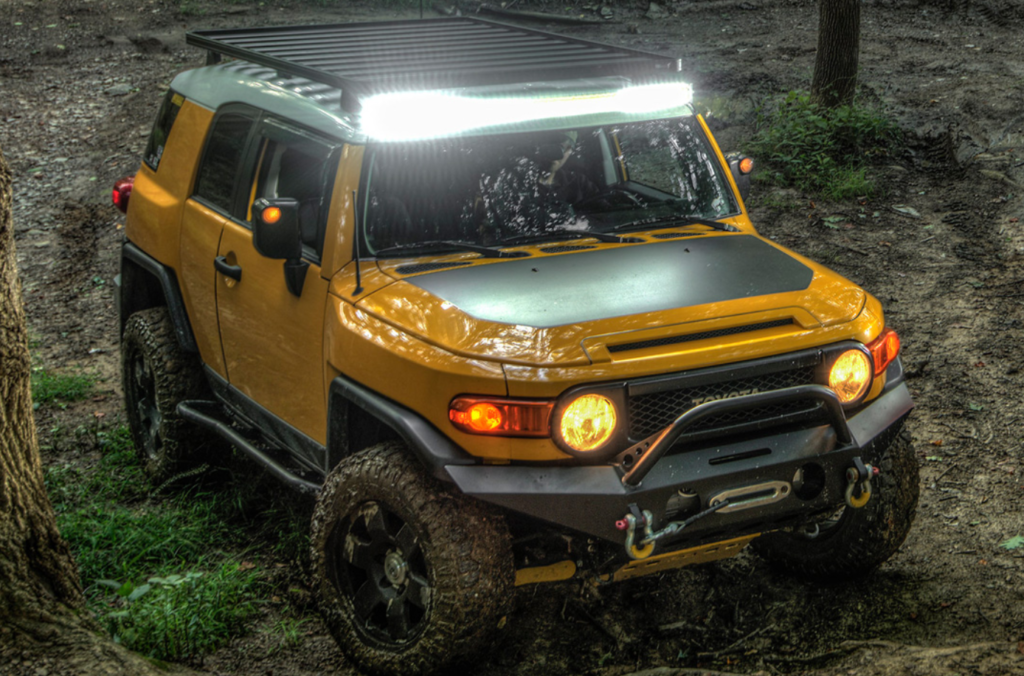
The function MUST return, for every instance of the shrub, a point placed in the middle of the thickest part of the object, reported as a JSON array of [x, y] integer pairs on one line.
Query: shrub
[[821, 150]]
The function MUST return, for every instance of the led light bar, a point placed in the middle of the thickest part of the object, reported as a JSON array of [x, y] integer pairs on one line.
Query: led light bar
[[408, 116]]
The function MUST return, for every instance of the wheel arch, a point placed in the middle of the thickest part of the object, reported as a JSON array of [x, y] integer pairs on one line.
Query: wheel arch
[[145, 283], [358, 417]]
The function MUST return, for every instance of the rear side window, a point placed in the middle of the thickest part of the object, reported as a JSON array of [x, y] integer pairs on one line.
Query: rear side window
[[162, 129], [222, 159]]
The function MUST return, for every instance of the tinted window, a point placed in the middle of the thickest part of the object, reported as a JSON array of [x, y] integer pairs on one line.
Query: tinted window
[[222, 159], [162, 129], [298, 171]]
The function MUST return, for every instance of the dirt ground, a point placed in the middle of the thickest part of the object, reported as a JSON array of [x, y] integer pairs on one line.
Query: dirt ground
[[942, 248]]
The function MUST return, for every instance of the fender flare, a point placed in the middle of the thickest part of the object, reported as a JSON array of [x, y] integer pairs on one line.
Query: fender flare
[[134, 294]]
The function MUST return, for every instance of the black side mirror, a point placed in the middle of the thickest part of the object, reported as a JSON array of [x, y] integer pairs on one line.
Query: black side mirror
[[740, 165], [275, 228], [276, 234]]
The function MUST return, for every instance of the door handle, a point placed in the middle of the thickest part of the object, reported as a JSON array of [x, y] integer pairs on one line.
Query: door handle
[[232, 271]]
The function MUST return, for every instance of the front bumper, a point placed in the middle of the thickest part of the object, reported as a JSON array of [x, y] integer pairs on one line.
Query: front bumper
[[591, 499]]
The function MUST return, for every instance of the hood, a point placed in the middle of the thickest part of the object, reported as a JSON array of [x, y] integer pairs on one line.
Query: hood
[[545, 308]]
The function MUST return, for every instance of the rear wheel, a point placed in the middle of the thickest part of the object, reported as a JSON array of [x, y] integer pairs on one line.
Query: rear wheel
[[410, 575], [853, 542], [157, 374]]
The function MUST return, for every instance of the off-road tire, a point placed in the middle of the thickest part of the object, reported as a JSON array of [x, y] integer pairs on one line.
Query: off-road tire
[[156, 375], [462, 551], [861, 539]]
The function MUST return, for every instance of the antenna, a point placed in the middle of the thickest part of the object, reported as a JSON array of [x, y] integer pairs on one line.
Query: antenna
[[355, 229]]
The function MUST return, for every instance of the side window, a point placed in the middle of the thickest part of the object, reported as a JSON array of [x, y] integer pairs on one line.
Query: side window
[[162, 129], [299, 168], [222, 159]]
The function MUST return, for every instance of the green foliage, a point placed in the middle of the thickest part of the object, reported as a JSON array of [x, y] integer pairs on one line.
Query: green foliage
[[1016, 542], [821, 150], [180, 587], [181, 617], [60, 387]]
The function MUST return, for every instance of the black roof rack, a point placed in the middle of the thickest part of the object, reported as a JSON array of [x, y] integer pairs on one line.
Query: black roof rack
[[366, 58]]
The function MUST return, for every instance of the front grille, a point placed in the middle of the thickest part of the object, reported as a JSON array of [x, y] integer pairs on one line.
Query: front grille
[[649, 413]]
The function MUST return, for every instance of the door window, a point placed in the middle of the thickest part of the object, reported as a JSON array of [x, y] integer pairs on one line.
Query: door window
[[222, 160]]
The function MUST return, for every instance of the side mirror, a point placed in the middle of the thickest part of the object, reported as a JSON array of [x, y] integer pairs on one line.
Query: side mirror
[[275, 228], [740, 165], [276, 234]]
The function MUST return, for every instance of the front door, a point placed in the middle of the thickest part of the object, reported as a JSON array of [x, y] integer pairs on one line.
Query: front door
[[273, 339]]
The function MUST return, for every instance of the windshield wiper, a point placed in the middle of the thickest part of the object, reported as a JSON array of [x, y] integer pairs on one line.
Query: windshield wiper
[[442, 244], [565, 233], [679, 219]]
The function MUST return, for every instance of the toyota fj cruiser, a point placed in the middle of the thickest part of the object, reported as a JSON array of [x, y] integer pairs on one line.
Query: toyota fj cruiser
[[493, 296]]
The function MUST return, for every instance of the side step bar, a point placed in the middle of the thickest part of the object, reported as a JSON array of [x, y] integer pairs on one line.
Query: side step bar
[[189, 410]]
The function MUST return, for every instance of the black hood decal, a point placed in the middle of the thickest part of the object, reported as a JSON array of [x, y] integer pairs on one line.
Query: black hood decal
[[546, 291]]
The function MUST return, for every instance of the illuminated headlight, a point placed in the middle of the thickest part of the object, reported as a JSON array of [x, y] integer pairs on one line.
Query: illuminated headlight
[[587, 423], [850, 375]]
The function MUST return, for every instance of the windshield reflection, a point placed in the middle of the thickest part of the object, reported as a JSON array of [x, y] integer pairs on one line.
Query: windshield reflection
[[516, 187]]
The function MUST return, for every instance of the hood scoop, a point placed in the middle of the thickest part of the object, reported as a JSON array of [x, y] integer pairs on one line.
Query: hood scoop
[[688, 337]]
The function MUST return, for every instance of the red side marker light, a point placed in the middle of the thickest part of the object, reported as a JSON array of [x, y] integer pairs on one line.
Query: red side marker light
[[122, 191]]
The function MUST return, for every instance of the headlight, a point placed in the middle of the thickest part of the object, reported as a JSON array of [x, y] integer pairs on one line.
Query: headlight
[[587, 423], [850, 375]]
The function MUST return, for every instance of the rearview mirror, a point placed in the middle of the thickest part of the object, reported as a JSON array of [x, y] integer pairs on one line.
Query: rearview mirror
[[275, 228], [740, 165]]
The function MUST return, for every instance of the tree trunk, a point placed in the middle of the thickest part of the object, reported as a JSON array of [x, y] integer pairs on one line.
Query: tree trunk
[[835, 65], [43, 623]]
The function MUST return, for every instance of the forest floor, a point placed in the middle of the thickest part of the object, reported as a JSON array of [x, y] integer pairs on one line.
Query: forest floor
[[941, 245]]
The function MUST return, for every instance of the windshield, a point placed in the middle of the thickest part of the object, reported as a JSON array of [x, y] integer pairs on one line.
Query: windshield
[[494, 190]]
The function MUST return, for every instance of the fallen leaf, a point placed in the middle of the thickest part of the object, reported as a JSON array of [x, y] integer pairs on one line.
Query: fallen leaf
[[937, 442], [246, 565], [979, 364], [1016, 542], [982, 562]]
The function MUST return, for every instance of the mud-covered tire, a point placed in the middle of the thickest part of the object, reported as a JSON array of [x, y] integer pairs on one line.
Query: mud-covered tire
[[860, 540], [156, 375], [382, 532]]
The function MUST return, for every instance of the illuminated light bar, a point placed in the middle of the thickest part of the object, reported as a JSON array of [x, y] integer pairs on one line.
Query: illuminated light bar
[[408, 116], [501, 417]]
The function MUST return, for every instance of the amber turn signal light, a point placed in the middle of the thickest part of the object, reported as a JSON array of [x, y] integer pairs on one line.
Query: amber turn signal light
[[271, 215], [501, 417], [746, 165], [884, 350]]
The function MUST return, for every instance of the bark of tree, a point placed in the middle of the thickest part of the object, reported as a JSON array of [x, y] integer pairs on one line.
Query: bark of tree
[[835, 65], [43, 622]]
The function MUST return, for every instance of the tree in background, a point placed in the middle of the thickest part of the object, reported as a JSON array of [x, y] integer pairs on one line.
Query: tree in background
[[835, 65], [42, 616]]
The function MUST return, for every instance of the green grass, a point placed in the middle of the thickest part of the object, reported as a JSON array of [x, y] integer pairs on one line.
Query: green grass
[[819, 150], [48, 386], [164, 573]]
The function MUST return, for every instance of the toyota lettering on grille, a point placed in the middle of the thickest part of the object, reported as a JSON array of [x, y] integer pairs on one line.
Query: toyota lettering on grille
[[697, 401]]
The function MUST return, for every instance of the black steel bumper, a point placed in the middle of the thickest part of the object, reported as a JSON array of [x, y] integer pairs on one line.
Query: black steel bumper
[[591, 499]]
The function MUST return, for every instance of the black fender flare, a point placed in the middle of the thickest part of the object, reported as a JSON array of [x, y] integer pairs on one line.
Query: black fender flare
[[137, 292], [428, 444]]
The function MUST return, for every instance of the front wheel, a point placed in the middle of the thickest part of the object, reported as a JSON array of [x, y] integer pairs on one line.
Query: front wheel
[[853, 542], [410, 576]]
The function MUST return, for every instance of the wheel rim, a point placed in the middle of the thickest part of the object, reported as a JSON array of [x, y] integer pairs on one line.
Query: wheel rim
[[379, 567], [143, 386]]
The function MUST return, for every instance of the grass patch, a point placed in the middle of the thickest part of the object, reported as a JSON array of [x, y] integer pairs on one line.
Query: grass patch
[[181, 617], [165, 573], [48, 386], [822, 150]]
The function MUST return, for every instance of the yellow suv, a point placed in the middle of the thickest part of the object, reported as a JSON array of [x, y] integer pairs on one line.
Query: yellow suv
[[493, 296]]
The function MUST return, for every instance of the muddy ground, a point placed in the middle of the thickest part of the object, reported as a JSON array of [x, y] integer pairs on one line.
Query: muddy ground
[[942, 247]]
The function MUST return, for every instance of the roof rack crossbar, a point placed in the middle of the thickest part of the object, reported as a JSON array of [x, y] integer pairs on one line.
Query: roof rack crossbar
[[365, 58]]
